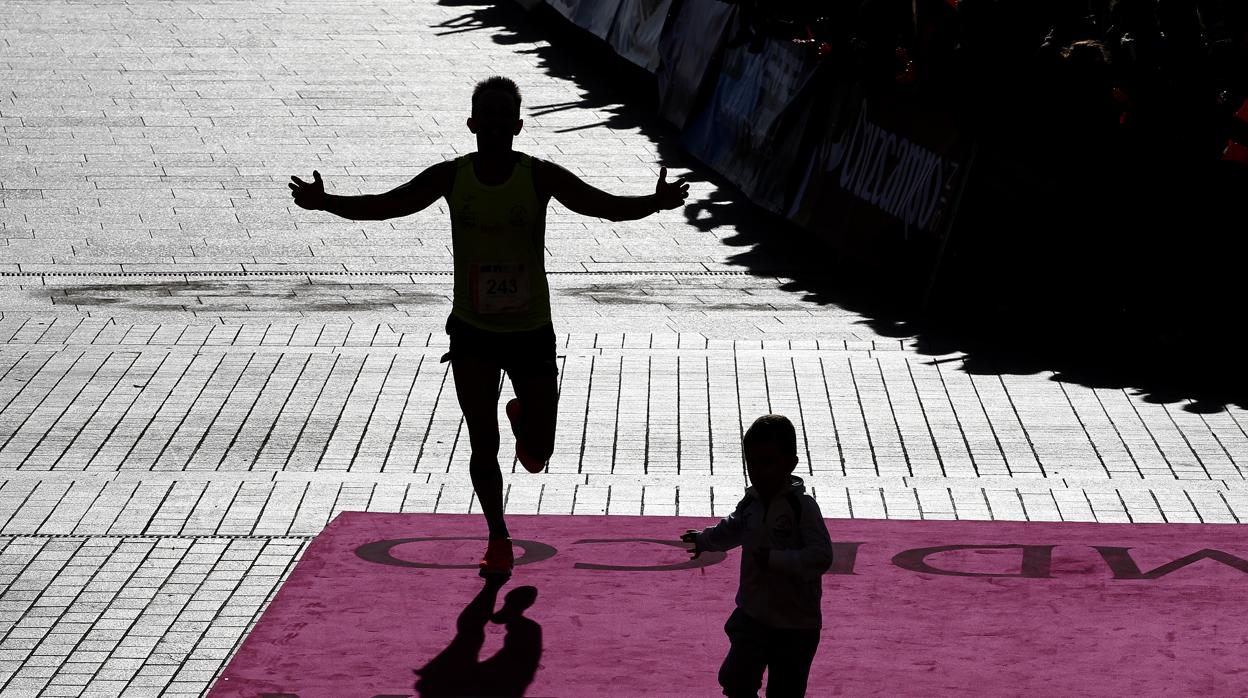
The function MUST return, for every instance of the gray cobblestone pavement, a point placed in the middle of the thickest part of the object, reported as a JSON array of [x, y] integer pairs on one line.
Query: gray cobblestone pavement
[[195, 377]]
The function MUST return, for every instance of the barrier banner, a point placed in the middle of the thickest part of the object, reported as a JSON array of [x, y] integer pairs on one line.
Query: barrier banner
[[735, 134], [686, 47], [595, 16], [635, 33], [888, 169]]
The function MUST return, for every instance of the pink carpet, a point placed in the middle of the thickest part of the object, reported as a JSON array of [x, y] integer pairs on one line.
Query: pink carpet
[[608, 606]]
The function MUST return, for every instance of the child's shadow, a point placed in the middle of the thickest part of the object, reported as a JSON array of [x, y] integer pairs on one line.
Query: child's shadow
[[456, 671]]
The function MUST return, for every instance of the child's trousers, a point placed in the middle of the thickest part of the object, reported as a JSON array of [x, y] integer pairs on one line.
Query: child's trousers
[[785, 653]]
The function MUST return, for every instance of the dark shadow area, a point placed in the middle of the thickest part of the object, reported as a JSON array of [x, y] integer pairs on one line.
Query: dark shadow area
[[458, 670], [613, 85], [1025, 287]]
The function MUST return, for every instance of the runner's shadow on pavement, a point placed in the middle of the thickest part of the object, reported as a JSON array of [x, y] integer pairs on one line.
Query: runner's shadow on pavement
[[458, 669], [1001, 328]]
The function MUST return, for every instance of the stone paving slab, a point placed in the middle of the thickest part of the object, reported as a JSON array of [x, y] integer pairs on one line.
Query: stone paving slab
[[624, 409], [196, 376], [130, 615]]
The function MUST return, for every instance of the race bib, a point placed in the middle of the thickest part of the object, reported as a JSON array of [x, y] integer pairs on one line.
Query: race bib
[[499, 288]]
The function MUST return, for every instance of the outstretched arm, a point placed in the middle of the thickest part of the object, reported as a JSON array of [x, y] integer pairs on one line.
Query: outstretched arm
[[416, 195], [724, 535], [587, 200]]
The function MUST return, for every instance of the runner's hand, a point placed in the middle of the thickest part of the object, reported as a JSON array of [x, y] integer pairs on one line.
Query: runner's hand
[[309, 195], [670, 194]]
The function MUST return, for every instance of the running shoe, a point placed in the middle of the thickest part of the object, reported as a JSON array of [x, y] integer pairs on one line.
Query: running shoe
[[498, 559], [530, 463]]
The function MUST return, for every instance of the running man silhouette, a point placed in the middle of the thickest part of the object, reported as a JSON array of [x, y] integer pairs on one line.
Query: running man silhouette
[[500, 317]]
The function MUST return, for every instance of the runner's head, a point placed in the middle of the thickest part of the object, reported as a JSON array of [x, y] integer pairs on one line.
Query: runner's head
[[495, 113], [770, 446]]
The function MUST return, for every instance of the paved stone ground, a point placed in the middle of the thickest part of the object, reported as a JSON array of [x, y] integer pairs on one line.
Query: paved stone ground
[[196, 376]]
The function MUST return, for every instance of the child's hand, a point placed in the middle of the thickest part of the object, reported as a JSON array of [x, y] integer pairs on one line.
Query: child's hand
[[762, 558], [691, 536]]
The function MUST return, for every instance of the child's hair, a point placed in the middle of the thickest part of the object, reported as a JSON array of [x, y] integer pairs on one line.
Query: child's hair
[[772, 428]]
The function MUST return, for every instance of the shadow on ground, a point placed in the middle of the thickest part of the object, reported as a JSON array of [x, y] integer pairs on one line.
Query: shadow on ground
[[612, 85], [231, 295], [1174, 343], [459, 670]]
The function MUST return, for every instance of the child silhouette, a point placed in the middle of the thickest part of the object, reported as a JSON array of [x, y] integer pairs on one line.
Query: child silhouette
[[785, 552]]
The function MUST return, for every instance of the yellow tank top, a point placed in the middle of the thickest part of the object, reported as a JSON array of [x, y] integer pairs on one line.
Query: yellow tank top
[[498, 234]]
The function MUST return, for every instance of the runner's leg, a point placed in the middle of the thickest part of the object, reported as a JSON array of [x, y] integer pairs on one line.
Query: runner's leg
[[538, 393], [476, 384]]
